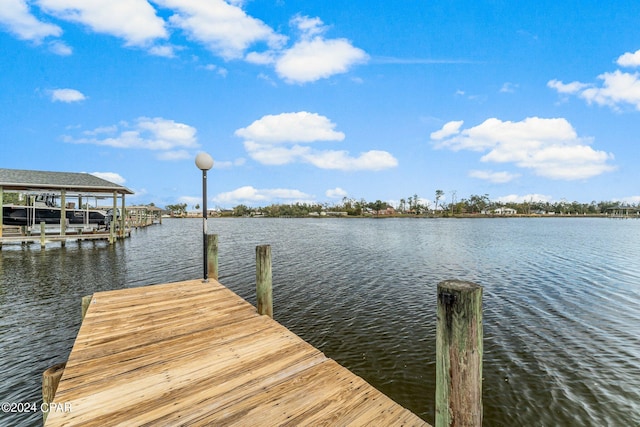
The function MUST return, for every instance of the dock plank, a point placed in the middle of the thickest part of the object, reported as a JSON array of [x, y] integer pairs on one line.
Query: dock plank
[[193, 353]]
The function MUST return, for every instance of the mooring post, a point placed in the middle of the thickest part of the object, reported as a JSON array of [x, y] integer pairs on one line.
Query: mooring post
[[459, 354], [212, 255], [86, 301], [50, 380], [112, 231], [263, 280]]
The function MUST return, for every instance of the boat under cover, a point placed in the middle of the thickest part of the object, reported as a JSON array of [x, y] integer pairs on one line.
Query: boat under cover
[[45, 210]]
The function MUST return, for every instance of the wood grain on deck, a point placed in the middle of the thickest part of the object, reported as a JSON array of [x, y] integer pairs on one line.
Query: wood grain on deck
[[193, 353]]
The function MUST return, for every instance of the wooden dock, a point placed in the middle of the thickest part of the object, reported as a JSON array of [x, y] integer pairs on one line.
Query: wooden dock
[[14, 235], [194, 353]]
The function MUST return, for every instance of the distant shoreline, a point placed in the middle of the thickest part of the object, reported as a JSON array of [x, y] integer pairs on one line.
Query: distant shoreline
[[457, 216]]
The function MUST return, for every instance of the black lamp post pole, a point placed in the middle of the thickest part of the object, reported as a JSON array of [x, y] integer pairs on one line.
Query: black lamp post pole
[[204, 162], [204, 226]]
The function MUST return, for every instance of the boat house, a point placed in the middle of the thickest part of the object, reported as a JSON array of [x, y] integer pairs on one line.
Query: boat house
[[624, 212], [141, 216], [69, 187]]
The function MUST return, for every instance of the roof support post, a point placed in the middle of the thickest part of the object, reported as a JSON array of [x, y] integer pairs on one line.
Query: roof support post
[[122, 218], [1, 209], [63, 214], [85, 214], [114, 216]]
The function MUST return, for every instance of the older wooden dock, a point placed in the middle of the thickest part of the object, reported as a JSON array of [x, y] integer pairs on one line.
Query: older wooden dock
[[13, 235], [193, 353]]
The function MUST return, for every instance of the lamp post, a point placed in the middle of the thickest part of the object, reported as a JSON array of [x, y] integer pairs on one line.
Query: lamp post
[[204, 162]]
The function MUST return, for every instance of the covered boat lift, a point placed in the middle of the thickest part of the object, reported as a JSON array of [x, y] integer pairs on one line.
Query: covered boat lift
[[66, 185]]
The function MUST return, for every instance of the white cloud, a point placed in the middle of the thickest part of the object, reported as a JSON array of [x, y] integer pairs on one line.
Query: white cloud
[[508, 87], [617, 88], [227, 164], [137, 193], [170, 138], [227, 30], [308, 27], [218, 70], [67, 95], [570, 88], [373, 160], [495, 177], [222, 27], [629, 59], [279, 139], [249, 194], [60, 48], [101, 130], [174, 155], [314, 57], [449, 129], [261, 58], [165, 51], [336, 193], [16, 17], [549, 147], [631, 200], [110, 176], [275, 156], [291, 127], [135, 21], [308, 61]]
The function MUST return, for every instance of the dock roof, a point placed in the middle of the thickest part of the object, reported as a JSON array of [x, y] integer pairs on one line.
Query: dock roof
[[28, 180]]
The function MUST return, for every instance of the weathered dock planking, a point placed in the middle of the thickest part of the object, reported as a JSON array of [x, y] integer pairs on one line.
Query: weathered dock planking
[[193, 353], [15, 235]]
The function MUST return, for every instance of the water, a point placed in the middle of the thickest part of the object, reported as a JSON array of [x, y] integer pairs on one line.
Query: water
[[561, 304]]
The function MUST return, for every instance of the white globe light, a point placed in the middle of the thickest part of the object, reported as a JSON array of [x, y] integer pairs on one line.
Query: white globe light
[[204, 161]]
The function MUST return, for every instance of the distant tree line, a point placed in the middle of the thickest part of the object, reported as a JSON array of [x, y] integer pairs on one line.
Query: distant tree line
[[413, 205], [178, 210]]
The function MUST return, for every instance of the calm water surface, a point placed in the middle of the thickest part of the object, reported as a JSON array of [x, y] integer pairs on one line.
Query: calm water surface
[[561, 304]]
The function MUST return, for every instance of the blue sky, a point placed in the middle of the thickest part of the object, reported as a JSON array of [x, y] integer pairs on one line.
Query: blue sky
[[301, 101]]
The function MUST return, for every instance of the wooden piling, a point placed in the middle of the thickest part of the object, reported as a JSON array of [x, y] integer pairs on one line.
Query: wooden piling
[[263, 280], [51, 377], [86, 301], [112, 231], [459, 354], [212, 256], [42, 234], [50, 380]]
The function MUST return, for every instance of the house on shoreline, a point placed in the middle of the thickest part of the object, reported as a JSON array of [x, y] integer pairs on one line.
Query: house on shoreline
[[502, 211]]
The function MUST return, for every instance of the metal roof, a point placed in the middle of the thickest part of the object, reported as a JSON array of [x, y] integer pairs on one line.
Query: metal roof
[[28, 180]]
